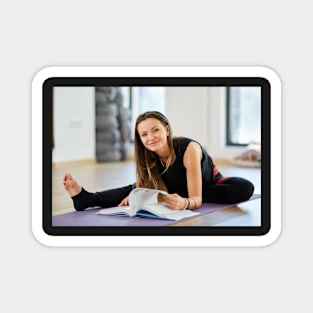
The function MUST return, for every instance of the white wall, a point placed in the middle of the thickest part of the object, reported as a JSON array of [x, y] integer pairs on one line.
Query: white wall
[[74, 123], [195, 112], [186, 109], [200, 113]]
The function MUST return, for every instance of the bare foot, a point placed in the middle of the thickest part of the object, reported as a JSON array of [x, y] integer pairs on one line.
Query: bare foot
[[71, 185]]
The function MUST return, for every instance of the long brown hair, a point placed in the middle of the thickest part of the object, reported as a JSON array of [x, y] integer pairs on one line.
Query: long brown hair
[[147, 169]]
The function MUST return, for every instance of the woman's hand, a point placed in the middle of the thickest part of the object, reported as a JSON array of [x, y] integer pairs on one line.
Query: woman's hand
[[174, 201], [124, 202]]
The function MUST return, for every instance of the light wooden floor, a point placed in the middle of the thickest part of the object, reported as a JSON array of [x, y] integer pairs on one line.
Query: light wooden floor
[[100, 176]]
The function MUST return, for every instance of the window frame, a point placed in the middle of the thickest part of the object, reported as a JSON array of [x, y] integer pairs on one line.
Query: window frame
[[228, 141]]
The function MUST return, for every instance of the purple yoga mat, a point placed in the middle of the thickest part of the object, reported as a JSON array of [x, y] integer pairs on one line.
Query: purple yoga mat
[[90, 218]]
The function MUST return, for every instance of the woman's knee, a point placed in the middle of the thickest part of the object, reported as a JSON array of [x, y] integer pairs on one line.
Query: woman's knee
[[242, 189], [246, 189]]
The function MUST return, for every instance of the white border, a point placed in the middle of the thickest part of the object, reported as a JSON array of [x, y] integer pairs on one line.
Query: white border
[[156, 241]]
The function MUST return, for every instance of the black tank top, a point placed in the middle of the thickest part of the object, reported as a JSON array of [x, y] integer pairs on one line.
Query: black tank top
[[175, 177]]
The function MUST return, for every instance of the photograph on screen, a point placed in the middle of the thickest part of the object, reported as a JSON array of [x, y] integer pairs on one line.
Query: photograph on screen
[[156, 156]]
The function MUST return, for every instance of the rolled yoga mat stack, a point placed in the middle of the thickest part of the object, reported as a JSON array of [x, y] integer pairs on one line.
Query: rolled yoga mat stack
[[112, 125]]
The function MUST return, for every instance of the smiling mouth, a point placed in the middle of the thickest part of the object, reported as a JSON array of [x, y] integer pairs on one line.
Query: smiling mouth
[[153, 143]]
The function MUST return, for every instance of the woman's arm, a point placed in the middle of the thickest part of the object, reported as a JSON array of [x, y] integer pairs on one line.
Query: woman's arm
[[192, 162]]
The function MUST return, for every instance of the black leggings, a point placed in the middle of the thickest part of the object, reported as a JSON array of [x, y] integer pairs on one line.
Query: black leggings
[[225, 190], [230, 190], [105, 199]]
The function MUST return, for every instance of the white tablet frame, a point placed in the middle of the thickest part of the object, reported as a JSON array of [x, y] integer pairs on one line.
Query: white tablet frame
[[156, 71]]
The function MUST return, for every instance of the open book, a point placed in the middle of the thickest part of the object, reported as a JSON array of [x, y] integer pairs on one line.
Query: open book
[[146, 202]]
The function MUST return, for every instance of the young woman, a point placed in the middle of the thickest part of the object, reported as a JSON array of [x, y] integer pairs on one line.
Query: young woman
[[179, 165]]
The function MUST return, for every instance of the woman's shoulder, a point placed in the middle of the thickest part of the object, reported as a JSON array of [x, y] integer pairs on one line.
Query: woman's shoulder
[[181, 140], [181, 143]]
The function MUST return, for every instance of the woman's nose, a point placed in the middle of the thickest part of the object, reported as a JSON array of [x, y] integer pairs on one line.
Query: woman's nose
[[150, 136]]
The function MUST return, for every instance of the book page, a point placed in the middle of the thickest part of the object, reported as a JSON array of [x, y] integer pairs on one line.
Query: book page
[[140, 196], [119, 210], [162, 211], [143, 200]]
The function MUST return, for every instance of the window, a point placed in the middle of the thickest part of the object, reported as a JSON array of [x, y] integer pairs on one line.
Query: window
[[243, 115], [146, 99]]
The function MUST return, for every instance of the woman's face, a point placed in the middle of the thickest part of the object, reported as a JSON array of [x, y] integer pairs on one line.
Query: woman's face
[[153, 135]]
